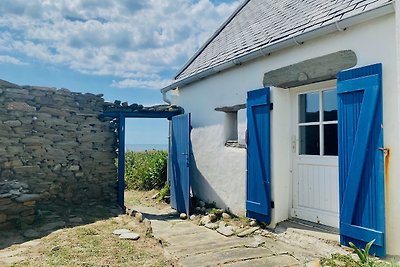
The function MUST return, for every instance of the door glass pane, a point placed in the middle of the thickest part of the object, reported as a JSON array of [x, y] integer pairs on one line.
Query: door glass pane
[[331, 139], [309, 140], [330, 105], [309, 107]]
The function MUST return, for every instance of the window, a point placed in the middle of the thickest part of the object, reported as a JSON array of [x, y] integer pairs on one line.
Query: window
[[317, 123]]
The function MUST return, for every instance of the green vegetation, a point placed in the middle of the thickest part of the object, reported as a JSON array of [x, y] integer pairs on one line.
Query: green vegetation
[[146, 170], [364, 259]]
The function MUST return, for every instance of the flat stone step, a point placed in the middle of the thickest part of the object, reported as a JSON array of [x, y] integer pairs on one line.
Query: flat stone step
[[188, 250], [225, 256]]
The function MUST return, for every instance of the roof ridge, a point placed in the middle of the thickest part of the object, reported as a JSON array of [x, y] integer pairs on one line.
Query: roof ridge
[[216, 33]]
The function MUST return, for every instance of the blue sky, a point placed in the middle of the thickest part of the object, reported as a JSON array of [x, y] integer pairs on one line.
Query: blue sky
[[124, 49]]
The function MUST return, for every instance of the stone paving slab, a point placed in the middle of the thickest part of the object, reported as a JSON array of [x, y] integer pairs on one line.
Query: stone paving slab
[[189, 244], [225, 256], [280, 260]]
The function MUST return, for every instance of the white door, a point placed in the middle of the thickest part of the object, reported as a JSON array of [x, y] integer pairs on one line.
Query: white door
[[315, 161]]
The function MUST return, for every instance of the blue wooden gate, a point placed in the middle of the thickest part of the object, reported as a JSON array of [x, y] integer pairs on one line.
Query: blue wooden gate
[[361, 156], [258, 202], [179, 164]]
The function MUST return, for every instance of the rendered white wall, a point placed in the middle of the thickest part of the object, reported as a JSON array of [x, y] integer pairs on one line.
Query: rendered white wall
[[220, 172]]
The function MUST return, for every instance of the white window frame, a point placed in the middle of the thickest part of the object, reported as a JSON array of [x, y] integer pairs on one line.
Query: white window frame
[[319, 123]]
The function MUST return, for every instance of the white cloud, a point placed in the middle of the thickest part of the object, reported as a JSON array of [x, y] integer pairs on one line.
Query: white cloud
[[11, 60], [126, 39]]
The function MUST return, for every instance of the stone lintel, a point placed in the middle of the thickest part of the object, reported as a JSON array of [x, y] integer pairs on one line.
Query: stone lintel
[[310, 71]]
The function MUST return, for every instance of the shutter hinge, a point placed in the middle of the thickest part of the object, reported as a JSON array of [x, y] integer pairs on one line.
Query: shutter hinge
[[272, 205], [271, 106]]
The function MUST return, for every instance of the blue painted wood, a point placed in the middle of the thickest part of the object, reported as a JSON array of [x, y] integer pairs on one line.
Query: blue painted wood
[[258, 202], [121, 161], [361, 173], [141, 114], [180, 162]]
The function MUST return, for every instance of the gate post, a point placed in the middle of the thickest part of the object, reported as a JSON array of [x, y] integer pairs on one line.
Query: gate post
[[121, 161]]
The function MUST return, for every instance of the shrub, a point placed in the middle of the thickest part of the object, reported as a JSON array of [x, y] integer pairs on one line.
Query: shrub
[[146, 170]]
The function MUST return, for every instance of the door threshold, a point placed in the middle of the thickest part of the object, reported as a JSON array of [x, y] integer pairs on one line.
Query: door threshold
[[305, 225]]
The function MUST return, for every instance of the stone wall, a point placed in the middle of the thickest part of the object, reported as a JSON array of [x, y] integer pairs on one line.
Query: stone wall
[[55, 142]]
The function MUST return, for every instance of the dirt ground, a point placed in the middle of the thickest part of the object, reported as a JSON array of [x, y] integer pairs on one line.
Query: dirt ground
[[83, 237]]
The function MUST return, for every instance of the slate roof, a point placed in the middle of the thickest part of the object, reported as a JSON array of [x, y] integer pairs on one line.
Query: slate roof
[[260, 23]]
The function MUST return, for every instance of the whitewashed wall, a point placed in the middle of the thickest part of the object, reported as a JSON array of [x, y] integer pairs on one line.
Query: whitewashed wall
[[220, 172]]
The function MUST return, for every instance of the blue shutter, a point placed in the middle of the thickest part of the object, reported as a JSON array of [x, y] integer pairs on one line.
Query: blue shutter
[[361, 173], [179, 157], [258, 202]]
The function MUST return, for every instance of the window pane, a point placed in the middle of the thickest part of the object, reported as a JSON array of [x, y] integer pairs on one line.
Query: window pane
[[309, 140], [330, 105], [331, 140], [309, 107]]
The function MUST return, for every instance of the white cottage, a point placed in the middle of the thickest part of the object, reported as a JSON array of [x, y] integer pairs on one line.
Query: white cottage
[[295, 114]]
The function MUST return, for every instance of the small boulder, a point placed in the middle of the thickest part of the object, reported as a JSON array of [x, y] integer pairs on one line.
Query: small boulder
[[27, 198], [121, 231], [139, 216], [31, 233], [247, 232], [225, 230], [226, 216], [253, 223], [205, 220], [211, 226], [183, 216], [192, 217], [130, 236]]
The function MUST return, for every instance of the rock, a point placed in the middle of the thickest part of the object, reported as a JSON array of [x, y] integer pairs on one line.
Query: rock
[[213, 217], [31, 233], [197, 209], [57, 167], [75, 220], [253, 223], [205, 220], [225, 230], [13, 123], [211, 226], [27, 197], [51, 226], [21, 106], [121, 231], [183, 216], [74, 168], [130, 236], [219, 212], [192, 217], [247, 232], [226, 216], [55, 248], [139, 216]]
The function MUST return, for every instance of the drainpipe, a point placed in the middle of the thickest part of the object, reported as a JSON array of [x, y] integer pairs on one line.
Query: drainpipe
[[165, 98]]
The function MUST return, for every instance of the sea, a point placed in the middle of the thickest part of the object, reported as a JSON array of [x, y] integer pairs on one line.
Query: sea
[[143, 147]]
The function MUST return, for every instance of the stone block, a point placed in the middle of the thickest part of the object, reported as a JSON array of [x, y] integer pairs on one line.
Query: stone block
[[22, 106], [3, 217]]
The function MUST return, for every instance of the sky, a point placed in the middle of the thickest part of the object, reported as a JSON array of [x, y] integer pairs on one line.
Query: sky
[[124, 49]]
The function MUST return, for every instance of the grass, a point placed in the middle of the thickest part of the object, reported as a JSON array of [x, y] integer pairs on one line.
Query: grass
[[95, 245]]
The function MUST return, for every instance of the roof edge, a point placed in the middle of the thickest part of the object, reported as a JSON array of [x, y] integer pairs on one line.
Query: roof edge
[[338, 25], [240, 7]]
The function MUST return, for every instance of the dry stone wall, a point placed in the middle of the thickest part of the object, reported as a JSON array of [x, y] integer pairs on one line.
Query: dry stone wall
[[55, 143]]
